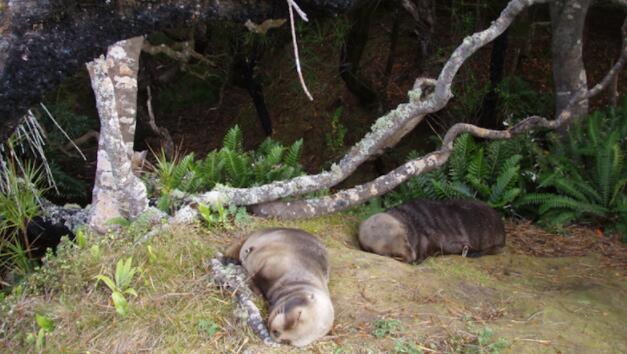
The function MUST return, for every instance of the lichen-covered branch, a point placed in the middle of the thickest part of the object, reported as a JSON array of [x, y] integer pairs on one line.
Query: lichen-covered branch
[[117, 191], [385, 132], [353, 196], [232, 278], [359, 194]]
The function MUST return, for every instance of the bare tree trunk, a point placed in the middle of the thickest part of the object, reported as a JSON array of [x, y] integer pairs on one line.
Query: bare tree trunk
[[117, 191], [423, 12], [568, 18], [487, 114], [353, 49]]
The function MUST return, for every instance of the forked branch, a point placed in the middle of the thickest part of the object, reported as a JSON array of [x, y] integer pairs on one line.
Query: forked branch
[[427, 96], [359, 194]]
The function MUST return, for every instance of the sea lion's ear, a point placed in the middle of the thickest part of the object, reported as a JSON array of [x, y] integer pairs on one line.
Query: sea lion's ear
[[311, 296], [300, 312]]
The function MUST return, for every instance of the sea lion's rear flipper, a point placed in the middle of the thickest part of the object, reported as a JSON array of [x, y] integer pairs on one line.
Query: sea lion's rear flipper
[[232, 252]]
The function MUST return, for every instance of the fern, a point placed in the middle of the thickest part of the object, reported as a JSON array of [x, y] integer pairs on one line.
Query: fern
[[470, 174], [477, 169], [507, 178], [563, 202], [234, 140], [292, 157], [497, 153], [464, 147], [236, 166], [210, 170]]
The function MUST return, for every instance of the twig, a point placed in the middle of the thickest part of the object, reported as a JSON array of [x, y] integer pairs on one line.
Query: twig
[[63, 131], [291, 4]]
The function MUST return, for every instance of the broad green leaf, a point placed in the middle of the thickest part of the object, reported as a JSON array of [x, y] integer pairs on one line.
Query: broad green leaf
[[120, 303], [44, 322]]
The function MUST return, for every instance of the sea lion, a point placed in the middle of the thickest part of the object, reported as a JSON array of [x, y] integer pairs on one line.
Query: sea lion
[[422, 228], [291, 270]]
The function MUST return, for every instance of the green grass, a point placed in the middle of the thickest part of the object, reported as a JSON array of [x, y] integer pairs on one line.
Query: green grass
[[177, 307]]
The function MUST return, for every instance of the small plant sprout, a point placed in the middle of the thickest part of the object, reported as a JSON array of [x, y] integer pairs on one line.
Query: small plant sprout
[[124, 273], [207, 327], [216, 216], [81, 239], [46, 325], [152, 257], [384, 327]]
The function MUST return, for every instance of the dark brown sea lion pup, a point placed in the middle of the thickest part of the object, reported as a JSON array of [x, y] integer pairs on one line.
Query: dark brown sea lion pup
[[422, 228], [290, 268]]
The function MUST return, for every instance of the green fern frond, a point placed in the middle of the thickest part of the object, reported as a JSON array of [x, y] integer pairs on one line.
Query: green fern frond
[[569, 187], [534, 199], [233, 140], [275, 155], [236, 167], [479, 186], [505, 179], [594, 134], [512, 162], [463, 190], [496, 153], [560, 217], [563, 202], [508, 197], [267, 145], [463, 149], [210, 170], [477, 168], [292, 158], [618, 191], [603, 173], [442, 189]]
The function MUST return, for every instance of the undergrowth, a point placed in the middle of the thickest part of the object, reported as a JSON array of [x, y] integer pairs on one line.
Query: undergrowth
[[230, 165], [583, 176]]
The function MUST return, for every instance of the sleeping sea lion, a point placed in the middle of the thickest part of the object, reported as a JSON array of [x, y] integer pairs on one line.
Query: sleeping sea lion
[[422, 228], [290, 269]]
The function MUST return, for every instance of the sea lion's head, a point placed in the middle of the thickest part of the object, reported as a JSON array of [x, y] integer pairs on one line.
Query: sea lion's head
[[386, 235], [301, 318]]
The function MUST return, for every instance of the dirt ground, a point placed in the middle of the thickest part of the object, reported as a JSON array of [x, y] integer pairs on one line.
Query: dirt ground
[[562, 301]]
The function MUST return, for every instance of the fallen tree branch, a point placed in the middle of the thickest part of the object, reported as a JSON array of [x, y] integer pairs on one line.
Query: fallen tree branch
[[232, 278], [383, 184], [385, 132]]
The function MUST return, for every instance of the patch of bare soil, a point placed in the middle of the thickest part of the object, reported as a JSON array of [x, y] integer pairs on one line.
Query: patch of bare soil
[[559, 296]]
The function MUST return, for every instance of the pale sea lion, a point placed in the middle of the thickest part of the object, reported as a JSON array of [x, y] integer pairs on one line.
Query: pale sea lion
[[422, 228], [290, 268]]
